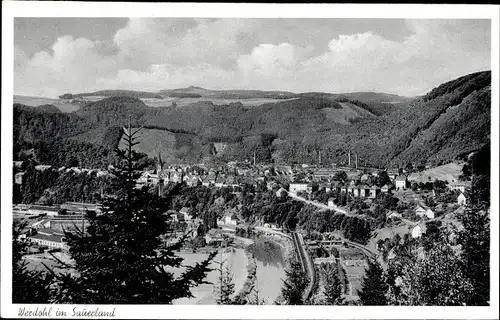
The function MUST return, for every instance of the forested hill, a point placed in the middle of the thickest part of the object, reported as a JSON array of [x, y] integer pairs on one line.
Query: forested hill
[[116, 93], [449, 122]]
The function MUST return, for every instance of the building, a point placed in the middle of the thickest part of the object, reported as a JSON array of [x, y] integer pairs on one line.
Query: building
[[393, 215], [421, 212], [462, 200], [148, 179], [68, 222], [401, 182], [214, 239], [19, 178], [186, 213], [298, 187], [281, 192], [48, 237], [231, 219], [81, 207], [418, 230], [331, 204], [460, 186]]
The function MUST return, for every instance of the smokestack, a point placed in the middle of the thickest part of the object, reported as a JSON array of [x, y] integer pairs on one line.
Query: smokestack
[[254, 158], [349, 158], [356, 160], [319, 158]]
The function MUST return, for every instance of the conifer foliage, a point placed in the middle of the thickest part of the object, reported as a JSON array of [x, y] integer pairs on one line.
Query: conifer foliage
[[295, 284], [333, 290], [224, 289], [374, 286], [120, 257]]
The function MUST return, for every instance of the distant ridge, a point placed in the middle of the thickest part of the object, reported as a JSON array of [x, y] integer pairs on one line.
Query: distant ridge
[[446, 124], [199, 92]]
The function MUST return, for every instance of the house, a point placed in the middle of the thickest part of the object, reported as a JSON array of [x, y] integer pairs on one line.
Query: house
[[401, 182], [186, 213], [462, 200], [230, 219], [19, 178], [213, 239], [385, 188], [148, 179], [298, 187], [176, 177], [48, 237], [331, 204], [421, 212], [192, 180], [393, 214], [281, 192], [418, 230], [460, 186]]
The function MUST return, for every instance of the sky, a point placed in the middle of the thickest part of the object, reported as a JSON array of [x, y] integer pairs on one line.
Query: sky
[[53, 56]]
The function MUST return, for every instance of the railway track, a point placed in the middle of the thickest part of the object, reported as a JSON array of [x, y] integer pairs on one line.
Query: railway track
[[307, 264]]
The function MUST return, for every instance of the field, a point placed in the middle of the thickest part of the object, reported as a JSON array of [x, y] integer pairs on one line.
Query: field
[[38, 101], [448, 172]]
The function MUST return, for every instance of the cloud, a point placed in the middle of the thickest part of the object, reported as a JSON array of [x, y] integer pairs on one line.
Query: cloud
[[153, 54]]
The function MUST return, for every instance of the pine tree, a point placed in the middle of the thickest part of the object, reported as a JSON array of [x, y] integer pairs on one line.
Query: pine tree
[[333, 289], [120, 258], [475, 242], [28, 286], [224, 289], [295, 284], [374, 286]]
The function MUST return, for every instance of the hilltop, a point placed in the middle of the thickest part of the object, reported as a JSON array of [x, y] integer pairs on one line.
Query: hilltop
[[449, 122]]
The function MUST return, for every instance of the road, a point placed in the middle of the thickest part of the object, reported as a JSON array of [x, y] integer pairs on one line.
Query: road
[[321, 205], [306, 262]]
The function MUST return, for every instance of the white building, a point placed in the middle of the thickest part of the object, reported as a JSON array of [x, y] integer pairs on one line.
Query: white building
[[401, 182], [460, 186], [330, 203], [186, 213], [421, 212], [48, 237], [462, 200], [298, 187], [417, 231]]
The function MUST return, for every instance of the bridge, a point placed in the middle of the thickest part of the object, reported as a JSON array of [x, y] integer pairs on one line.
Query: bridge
[[306, 262]]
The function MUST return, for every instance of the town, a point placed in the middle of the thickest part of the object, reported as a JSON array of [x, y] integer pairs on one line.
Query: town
[[424, 198], [251, 161]]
